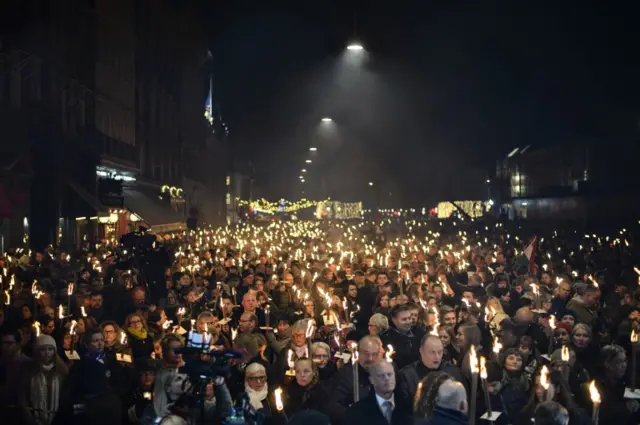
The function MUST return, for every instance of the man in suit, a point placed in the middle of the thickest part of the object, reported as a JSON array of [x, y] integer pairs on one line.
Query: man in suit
[[379, 408]]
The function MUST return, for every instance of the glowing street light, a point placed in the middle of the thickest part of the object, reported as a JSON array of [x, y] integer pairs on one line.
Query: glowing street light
[[355, 47], [326, 119], [313, 149]]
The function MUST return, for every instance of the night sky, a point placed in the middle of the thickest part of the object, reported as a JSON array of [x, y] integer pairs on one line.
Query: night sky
[[448, 88]]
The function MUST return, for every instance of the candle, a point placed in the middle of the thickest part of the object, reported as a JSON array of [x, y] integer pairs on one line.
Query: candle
[[565, 362], [473, 365], [291, 363], [308, 335], [485, 386], [69, 294], [267, 310], [279, 404], [552, 325], [389, 354], [634, 359], [356, 376], [595, 399], [544, 381], [345, 306]]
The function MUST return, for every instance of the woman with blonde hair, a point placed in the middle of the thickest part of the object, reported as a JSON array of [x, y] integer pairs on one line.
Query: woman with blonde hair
[[138, 336], [496, 315]]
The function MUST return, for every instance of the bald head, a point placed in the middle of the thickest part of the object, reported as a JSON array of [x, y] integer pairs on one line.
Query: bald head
[[452, 395], [431, 351]]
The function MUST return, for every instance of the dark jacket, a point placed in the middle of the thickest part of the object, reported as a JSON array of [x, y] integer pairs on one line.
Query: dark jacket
[[442, 416], [410, 376], [343, 393], [312, 398], [367, 411], [406, 345]]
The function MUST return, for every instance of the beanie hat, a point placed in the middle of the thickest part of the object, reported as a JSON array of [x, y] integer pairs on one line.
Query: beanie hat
[[43, 340]]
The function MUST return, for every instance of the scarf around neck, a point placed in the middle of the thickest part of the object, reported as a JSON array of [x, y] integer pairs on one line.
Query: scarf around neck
[[256, 397], [138, 334]]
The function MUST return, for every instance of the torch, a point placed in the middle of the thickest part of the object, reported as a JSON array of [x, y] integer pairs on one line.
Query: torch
[[634, 359], [389, 354], [595, 399], [544, 381], [485, 386], [565, 362], [69, 294], [356, 376], [473, 365], [307, 335], [552, 325], [279, 404], [291, 363]]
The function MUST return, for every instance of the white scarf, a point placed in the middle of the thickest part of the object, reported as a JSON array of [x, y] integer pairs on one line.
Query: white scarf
[[256, 397], [44, 399]]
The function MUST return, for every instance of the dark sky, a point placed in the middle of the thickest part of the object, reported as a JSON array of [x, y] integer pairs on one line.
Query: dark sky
[[447, 89]]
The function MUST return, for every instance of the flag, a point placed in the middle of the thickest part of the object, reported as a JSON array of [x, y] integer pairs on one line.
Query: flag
[[208, 109], [530, 252]]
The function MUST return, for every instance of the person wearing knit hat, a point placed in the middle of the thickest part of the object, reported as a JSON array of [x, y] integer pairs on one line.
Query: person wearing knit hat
[[45, 340]]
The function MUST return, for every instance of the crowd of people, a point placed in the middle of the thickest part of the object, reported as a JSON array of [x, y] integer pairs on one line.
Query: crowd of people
[[434, 322]]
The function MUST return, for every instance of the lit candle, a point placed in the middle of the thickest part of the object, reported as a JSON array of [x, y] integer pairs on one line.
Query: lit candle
[[279, 404], [291, 364], [565, 356], [596, 400], [356, 375], [634, 359], [389, 354], [552, 325], [473, 365], [544, 381], [485, 386]]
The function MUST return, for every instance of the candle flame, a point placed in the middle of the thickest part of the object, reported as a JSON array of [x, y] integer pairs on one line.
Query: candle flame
[[234, 333], [565, 353], [278, 394], [70, 289], [60, 312], [552, 322], [290, 359], [83, 312], [36, 325], [309, 332], [594, 393], [473, 360], [544, 378], [390, 353], [483, 367], [7, 301], [634, 336], [123, 338], [72, 329], [497, 346], [354, 358]]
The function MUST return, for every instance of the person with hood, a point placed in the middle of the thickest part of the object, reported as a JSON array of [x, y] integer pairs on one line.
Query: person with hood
[[40, 383], [431, 354]]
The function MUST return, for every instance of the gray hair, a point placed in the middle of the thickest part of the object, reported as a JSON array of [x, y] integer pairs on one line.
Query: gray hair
[[380, 321], [322, 345], [300, 325], [253, 368], [373, 340], [451, 395]]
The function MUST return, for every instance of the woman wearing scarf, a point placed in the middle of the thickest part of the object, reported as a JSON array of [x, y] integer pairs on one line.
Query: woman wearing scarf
[[261, 399], [40, 383], [321, 356], [306, 392], [138, 338], [586, 349], [508, 386]]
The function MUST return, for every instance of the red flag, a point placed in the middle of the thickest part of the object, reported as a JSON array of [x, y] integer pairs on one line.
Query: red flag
[[530, 253]]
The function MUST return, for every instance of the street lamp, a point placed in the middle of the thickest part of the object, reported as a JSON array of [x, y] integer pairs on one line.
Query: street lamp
[[313, 149], [355, 47], [326, 119]]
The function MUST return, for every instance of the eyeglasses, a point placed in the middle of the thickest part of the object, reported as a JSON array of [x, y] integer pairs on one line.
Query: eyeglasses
[[135, 322], [257, 378], [320, 356]]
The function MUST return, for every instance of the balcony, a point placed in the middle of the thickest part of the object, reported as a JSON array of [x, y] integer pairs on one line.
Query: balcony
[[118, 154]]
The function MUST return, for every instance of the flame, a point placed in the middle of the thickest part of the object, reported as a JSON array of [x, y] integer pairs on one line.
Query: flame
[[70, 289], [36, 325], [473, 360], [544, 377], [354, 358], [534, 289], [234, 333], [182, 311], [290, 361], [389, 354], [123, 338], [83, 312], [634, 336], [8, 296], [594, 393], [309, 332], [434, 331], [483, 368], [167, 324], [565, 353], [497, 346], [60, 312], [552, 322], [72, 329], [278, 394]]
